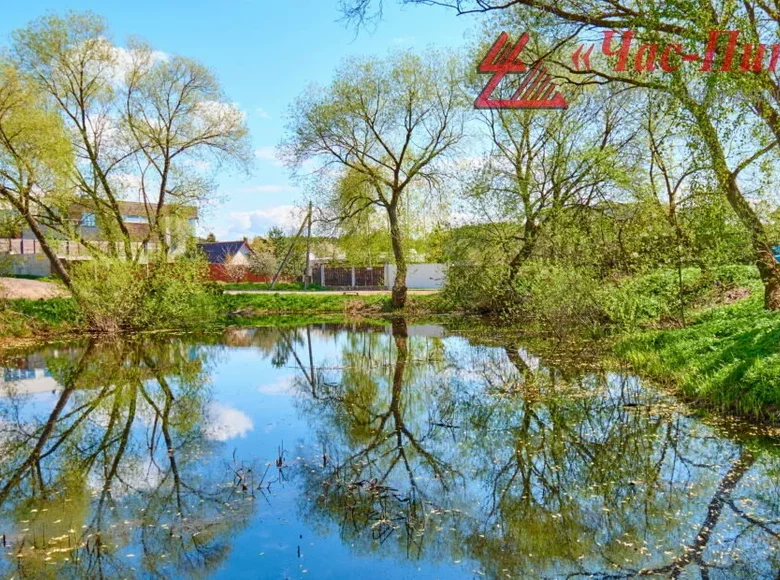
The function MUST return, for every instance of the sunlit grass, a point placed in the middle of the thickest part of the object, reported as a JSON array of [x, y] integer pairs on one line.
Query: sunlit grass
[[728, 357]]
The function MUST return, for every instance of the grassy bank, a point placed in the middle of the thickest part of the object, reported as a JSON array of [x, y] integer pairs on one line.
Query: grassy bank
[[244, 307], [728, 357], [24, 319]]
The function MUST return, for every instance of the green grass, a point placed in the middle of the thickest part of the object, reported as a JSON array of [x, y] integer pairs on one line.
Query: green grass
[[257, 305], [30, 318], [729, 358]]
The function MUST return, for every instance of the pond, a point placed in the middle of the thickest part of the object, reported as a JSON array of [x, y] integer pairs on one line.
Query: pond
[[398, 451]]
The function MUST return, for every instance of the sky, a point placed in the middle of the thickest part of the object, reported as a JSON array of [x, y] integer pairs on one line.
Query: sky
[[264, 53]]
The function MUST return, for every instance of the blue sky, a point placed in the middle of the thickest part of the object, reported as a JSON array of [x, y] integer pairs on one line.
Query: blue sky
[[264, 52]]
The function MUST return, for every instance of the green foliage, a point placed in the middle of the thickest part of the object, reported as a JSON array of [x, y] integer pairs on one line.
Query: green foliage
[[38, 318], [117, 294], [729, 357], [656, 296], [53, 310], [246, 308], [279, 243]]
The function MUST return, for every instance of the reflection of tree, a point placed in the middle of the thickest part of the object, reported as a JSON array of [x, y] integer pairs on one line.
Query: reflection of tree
[[383, 474], [528, 470], [114, 464]]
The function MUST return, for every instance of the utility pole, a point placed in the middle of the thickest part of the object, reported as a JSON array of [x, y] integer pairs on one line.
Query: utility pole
[[307, 271], [306, 220]]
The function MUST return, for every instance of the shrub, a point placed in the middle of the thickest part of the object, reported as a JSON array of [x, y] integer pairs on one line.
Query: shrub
[[115, 295]]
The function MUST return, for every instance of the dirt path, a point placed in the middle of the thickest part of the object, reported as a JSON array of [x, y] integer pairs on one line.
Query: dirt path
[[11, 288]]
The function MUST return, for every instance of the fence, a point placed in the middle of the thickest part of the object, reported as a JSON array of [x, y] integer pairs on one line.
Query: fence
[[348, 276], [70, 248], [423, 276]]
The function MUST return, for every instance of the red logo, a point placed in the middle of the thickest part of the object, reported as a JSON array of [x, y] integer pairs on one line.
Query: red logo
[[536, 90]]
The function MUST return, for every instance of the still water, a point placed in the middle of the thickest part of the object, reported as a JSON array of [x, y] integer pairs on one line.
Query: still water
[[367, 451]]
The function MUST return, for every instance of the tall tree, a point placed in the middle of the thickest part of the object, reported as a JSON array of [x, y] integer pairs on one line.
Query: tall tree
[[384, 125], [542, 164]]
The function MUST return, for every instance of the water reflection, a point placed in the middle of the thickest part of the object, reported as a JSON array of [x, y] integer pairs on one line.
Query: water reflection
[[483, 453], [317, 450], [110, 461]]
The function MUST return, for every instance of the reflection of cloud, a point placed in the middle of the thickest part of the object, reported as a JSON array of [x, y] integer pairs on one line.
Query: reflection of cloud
[[223, 423], [284, 386]]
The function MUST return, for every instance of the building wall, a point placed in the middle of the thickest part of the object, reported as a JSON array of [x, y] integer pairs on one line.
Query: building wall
[[421, 276], [30, 265], [241, 258]]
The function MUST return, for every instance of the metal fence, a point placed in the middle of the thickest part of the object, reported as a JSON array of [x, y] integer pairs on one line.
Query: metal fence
[[348, 276]]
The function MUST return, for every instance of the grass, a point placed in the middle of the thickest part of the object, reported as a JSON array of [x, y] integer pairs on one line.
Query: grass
[[728, 357], [249, 306], [38, 318]]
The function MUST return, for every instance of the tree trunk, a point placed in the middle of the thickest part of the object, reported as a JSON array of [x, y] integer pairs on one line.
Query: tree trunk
[[399, 285], [56, 265], [767, 265], [530, 234]]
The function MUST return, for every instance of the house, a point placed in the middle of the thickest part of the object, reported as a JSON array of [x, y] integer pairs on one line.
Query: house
[[179, 223], [230, 261], [178, 219], [28, 257], [227, 253]]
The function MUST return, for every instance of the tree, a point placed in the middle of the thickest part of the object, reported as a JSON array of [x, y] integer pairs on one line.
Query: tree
[[143, 125], [211, 237], [542, 164], [35, 154], [381, 128], [716, 107]]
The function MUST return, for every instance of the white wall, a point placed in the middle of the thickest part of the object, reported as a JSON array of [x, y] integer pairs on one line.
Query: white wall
[[422, 276], [30, 265], [241, 258]]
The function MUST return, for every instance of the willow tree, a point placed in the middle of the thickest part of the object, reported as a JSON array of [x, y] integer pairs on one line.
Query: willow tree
[[144, 125], [35, 154], [386, 125], [718, 95]]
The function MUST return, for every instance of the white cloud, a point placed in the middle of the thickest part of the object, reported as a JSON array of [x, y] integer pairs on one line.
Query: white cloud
[[267, 188], [257, 222], [267, 154], [125, 60], [262, 113], [223, 423]]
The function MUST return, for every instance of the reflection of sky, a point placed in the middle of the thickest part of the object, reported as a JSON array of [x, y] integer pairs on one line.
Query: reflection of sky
[[255, 411]]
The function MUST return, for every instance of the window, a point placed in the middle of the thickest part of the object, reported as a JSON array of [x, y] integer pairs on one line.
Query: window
[[193, 222], [134, 219], [88, 220]]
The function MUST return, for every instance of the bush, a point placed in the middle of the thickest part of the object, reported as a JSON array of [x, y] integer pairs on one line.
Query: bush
[[560, 295], [115, 295]]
